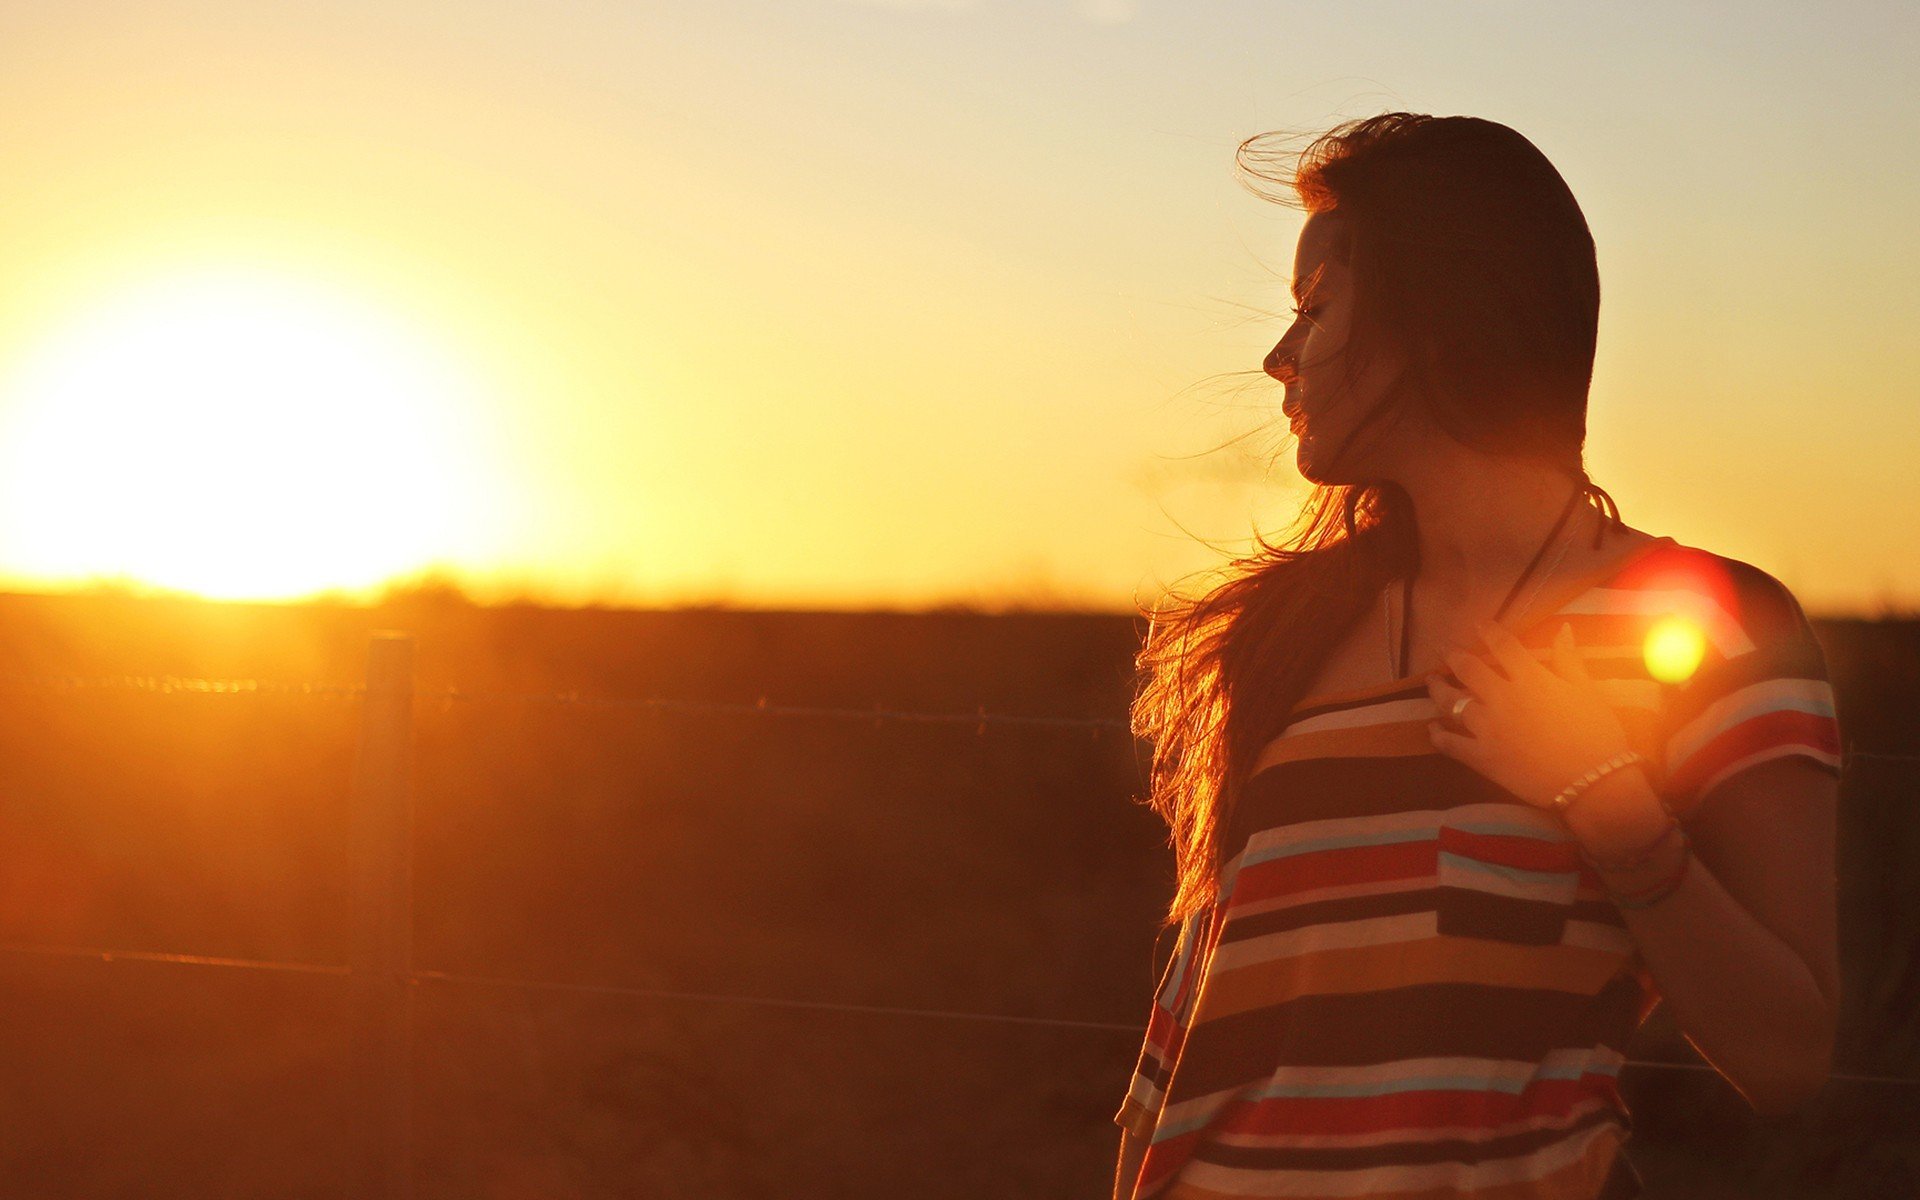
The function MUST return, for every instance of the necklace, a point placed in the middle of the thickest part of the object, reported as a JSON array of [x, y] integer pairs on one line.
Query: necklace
[[1399, 668]]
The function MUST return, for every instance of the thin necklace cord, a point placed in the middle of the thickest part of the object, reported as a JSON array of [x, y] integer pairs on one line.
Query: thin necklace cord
[[1406, 590]]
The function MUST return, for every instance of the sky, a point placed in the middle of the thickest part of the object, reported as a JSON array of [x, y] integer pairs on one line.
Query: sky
[[882, 303]]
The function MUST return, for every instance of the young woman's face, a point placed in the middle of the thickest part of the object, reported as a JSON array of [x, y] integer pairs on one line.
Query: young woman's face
[[1323, 407]]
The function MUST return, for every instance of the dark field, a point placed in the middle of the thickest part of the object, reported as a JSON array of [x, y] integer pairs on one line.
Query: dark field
[[884, 863]]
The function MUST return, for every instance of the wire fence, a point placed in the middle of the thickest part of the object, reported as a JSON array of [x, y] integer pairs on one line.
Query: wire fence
[[640, 993], [448, 697]]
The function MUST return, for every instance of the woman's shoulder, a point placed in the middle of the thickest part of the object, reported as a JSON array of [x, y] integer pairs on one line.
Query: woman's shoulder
[[1750, 679], [1732, 585], [1736, 624]]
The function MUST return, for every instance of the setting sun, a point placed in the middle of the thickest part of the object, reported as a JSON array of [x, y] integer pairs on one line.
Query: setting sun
[[239, 433]]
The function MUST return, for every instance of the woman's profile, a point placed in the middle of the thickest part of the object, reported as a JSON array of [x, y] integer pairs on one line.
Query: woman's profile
[[1467, 775]]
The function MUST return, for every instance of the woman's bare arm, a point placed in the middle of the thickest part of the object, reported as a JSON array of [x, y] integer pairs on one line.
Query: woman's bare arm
[[1745, 953], [1132, 1150]]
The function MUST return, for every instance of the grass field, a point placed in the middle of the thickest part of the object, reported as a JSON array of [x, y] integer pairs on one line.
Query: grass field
[[884, 863]]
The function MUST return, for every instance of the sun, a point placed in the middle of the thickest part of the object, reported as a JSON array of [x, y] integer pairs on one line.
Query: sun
[[240, 433]]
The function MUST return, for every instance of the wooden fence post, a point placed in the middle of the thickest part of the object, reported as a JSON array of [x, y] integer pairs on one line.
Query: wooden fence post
[[380, 947]]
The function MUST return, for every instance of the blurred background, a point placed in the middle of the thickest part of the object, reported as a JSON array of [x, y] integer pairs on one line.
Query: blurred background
[[848, 376], [833, 304]]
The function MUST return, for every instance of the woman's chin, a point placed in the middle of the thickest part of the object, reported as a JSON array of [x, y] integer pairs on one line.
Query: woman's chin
[[1307, 461]]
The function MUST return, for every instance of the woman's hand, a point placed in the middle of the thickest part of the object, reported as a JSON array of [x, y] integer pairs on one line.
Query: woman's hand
[[1531, 730]]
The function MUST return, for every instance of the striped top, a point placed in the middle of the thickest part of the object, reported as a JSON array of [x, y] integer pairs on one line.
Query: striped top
[[1412, 986]]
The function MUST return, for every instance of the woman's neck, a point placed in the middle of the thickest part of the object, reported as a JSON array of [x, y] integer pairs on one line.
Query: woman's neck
[[1480, 524]]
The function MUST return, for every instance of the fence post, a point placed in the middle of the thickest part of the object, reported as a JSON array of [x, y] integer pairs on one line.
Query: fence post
[[380, 947]]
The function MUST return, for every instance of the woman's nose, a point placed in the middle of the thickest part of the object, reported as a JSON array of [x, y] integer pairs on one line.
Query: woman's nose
[[1279, 364]]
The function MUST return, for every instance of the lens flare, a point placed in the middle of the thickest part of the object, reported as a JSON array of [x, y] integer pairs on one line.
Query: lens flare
[[1673, 649]]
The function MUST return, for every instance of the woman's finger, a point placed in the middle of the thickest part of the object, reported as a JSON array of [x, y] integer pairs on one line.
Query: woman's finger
[[1515, 659], [1567, 662], [1455, 745], [1445, 696], [1479, 678]]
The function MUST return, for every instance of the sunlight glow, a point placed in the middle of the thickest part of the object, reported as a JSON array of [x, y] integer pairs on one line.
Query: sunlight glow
[[1673, 649], [239, 433]]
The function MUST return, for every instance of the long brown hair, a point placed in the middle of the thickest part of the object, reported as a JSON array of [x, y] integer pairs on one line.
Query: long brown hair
[[1467, 248]]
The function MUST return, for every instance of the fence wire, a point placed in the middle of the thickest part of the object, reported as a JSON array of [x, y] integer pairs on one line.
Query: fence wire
[[446, 698], [603, 989]]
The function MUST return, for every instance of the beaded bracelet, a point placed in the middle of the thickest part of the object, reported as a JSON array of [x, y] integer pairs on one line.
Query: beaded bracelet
[[1560, 803]]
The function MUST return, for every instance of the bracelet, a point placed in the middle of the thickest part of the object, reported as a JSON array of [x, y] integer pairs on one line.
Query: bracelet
[[1560, 803], [1646, 897], [1641, 857], [1635, 891], [1672, 887]]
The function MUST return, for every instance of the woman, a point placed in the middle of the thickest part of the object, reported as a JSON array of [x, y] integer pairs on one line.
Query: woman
[[1471, 775]]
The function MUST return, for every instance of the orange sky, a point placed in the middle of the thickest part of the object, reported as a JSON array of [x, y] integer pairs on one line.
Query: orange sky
[[844, 304]]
